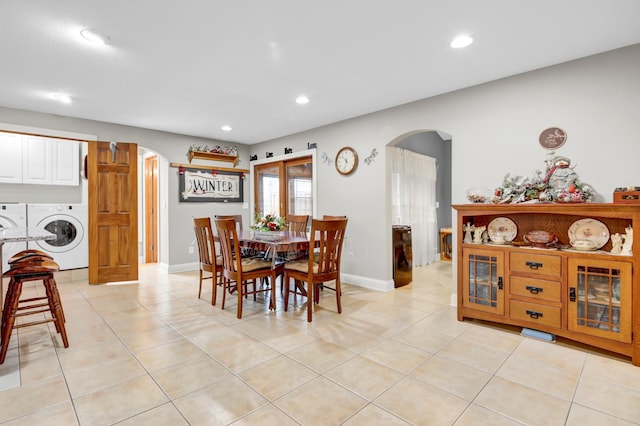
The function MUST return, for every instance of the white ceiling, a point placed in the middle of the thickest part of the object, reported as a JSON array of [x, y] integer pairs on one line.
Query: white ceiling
[[191, 66]]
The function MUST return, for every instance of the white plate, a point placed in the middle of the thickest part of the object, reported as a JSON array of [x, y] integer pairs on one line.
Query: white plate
[[502, 227], [589, 230]]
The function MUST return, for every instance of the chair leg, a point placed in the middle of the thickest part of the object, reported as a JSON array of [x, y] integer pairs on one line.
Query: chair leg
[[9, 317], [225, 284], [240, 287], [285, 284], [310, 297], [338, 294], [56, 311], [200, 288], [214, 288]]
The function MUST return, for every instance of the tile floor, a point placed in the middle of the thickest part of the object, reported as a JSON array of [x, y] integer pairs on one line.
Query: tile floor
[[151, 353]]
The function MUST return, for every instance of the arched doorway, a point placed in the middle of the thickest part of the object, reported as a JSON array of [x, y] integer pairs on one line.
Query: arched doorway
[[435, 144], [152, 195]]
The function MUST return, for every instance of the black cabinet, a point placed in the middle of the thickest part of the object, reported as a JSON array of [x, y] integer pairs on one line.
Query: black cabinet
[[402, 255]]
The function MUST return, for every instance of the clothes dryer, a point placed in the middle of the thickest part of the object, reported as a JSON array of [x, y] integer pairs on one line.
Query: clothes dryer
[[70, 248], [12, 215]]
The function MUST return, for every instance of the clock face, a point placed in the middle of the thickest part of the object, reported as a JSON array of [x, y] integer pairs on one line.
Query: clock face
[[346, 161]]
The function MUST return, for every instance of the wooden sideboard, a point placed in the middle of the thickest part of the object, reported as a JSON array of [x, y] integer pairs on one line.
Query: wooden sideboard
[[591, 297]]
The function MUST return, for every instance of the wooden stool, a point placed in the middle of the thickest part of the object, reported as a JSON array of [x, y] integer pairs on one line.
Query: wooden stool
[[31, 268]]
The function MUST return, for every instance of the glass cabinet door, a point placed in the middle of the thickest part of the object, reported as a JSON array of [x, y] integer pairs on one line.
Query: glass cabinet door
[[600, 298], [483, 275]]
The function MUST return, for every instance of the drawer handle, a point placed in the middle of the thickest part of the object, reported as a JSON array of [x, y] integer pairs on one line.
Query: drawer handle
[[534, 265], [534, 314], [534, 290]]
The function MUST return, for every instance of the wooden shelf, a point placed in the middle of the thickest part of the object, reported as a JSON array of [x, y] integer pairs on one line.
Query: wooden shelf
[[197, 166], [213, 156]]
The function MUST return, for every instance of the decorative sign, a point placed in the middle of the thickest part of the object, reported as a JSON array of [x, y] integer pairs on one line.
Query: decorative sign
[[552, 138], [199, 185]]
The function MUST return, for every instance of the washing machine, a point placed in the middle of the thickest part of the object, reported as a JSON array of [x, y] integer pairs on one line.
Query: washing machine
[[12, 215], [70, 248]]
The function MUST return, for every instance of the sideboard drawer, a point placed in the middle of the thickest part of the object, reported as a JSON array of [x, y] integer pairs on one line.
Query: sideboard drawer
[[533, 312], [541, 264], [535, 288]]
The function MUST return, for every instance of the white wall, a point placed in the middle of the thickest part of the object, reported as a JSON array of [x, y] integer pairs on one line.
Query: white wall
[[494, 128]]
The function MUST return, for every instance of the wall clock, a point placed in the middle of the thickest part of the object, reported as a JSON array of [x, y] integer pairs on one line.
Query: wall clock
[[346, 160]]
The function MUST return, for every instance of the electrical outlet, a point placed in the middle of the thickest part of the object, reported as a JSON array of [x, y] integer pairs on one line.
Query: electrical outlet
[[190, 249]]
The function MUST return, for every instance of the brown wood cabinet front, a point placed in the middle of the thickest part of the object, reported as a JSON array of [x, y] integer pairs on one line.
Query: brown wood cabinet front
[[483, 287], [587, 296], [600, 298]]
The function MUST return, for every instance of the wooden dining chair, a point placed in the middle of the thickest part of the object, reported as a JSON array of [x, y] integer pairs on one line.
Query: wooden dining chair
[[209, 261], [327, 236], [298, 223], [239, 269], [237, 218]]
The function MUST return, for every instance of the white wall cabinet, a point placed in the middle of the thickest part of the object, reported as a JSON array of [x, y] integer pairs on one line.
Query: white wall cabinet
[[39, 160], [10, 158], [65, 157], [36, 160]]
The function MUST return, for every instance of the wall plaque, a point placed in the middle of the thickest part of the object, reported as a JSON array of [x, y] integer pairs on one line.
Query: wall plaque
[[198, 185], [553, 137]]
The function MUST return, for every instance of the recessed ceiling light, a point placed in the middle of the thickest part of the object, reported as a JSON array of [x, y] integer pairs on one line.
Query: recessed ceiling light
[[302, 99], [226, 128], [95, 36], [62, 97], [461, 41]]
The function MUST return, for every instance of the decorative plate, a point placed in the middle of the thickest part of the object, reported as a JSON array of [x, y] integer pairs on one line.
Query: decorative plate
[[502, 230], [590, 230]]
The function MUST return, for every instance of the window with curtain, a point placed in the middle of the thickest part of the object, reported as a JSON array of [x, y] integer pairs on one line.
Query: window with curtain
[[413, 201]]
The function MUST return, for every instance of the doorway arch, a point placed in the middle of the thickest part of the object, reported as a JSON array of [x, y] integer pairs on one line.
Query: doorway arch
[[436, 144], [160, 212]]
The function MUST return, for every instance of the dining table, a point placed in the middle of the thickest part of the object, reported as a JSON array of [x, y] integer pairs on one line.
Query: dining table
[[19, 234], [276, 246]]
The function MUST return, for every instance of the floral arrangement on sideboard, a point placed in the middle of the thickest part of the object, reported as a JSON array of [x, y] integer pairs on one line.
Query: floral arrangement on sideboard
[[557, 183]]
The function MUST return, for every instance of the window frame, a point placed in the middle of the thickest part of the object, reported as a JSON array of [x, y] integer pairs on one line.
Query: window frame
[[281, 159]]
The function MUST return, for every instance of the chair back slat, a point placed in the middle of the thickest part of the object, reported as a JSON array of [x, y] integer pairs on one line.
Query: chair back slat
[[204, 238]]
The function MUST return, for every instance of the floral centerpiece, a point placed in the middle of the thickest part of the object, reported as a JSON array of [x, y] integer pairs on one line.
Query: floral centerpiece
[[269, 223]]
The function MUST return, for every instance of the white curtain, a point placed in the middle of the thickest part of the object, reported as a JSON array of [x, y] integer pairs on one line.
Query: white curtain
[[413, 202]]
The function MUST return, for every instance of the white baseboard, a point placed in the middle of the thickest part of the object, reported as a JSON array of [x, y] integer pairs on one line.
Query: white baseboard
[[183, 267], [373, 284], [453, 301]]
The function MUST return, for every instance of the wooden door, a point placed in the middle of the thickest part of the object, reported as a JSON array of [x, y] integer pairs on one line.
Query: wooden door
[[113, 212], [150, 208]]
